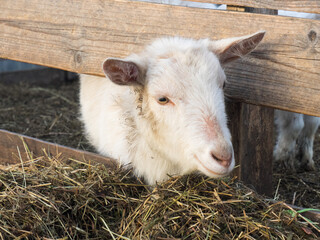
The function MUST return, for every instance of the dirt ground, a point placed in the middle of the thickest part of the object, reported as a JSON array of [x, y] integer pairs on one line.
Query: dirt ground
[[52, 114]]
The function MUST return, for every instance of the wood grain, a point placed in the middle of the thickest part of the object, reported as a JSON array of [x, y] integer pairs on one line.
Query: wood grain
[[251, 128], [78, 35], [308, 6], [11, 142], [256, 144]]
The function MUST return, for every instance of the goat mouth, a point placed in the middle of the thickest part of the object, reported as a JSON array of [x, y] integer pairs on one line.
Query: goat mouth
[[209, 170]]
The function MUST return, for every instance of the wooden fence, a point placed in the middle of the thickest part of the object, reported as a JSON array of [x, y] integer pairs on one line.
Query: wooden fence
[[282, 73]]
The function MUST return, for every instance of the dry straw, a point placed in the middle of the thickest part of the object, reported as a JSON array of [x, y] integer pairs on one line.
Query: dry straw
[[47, 198]]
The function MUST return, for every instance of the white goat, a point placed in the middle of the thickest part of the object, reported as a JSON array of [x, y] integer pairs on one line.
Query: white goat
[[295, 129], [162, 111]]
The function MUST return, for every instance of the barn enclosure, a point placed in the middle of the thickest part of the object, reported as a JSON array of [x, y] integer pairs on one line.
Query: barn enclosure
[[76, 36]]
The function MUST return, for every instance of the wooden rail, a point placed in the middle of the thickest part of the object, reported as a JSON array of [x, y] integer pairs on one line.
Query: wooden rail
[[77, 35], [12, 145], [308, 6]]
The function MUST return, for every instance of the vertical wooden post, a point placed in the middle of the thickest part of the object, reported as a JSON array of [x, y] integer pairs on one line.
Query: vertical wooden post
[[252, 136]]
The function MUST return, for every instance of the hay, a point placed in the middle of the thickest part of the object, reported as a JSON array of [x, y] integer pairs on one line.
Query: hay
[[46, 198]]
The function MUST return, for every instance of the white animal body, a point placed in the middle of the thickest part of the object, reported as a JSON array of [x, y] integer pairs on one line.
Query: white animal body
[[296, 133], [162, 110]]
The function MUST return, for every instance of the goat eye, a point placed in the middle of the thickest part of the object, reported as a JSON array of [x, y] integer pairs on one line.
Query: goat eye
[[163, 100]]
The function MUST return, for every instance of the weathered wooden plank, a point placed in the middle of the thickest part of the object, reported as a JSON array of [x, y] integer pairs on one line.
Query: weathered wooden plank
[[252, 138], [253, 10], [256, 144], [78, 35], [251, 128], [308, 6], [11, 142]]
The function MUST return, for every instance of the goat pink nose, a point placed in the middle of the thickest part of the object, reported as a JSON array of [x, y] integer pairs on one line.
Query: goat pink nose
[[225, 162]]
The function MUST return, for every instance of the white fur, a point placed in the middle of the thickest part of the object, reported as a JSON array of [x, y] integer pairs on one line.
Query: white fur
[[161, 140], [296, 134]]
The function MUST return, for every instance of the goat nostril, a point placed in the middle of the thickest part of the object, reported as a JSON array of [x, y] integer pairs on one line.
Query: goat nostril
[[222, 162]]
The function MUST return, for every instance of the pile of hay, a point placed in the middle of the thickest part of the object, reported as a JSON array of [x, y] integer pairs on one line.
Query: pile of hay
[[46, 198]]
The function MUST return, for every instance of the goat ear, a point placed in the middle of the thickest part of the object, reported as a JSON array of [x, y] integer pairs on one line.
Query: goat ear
[[230, 49], [122, 72]]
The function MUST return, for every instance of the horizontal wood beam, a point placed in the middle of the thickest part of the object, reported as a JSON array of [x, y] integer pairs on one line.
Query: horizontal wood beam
[[308, 6], [13, 144], [78, 35]]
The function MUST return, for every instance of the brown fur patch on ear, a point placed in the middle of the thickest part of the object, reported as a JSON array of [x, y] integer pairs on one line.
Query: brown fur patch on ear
[[121, 72], [240, 48]]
